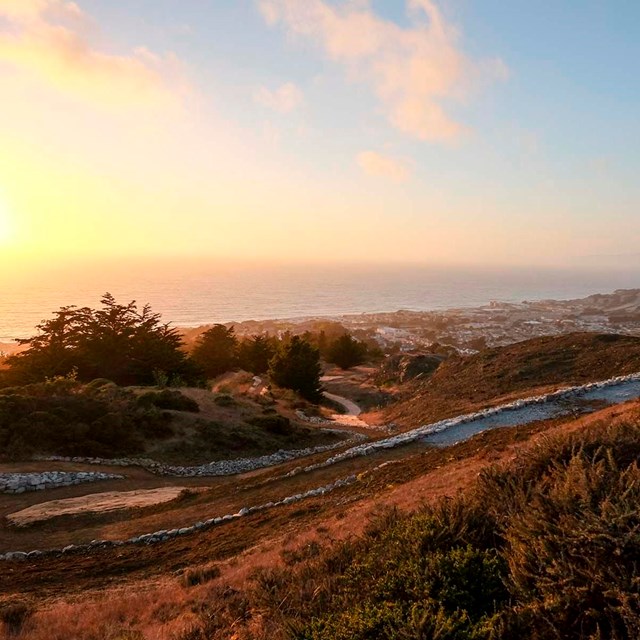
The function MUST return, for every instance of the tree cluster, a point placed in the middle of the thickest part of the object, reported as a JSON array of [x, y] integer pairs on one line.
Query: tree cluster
[[292, 362], [129, 345], [296, 366], [219, 350], [347, 352], [122, 343]]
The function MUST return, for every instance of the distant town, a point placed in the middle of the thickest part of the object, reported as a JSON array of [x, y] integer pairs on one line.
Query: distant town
[[471, 329]]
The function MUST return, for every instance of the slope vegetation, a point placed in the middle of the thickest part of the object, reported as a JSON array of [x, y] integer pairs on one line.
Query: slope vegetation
[[545, 547], [495, 375]]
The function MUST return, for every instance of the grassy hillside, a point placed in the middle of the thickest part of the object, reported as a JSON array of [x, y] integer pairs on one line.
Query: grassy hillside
[[192, 426], [544, 548], [535, 540], [494, 375]]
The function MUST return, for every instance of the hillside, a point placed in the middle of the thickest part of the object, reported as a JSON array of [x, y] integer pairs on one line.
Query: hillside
[[193, 426], [525, 368], [299, 573], [447, 539], [542, 547]]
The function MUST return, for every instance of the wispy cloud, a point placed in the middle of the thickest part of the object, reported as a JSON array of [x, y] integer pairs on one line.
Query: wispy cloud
[[384, 166], [284, 99], [50, 41], [413, 71]]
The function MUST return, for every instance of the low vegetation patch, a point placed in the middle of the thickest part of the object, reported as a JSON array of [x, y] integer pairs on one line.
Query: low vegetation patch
[[13, 616], [274, 423], [64, 417], [168, 399], [67, 418], [200, 575], [242, 437]]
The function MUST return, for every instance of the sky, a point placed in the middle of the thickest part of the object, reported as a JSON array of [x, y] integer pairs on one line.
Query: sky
[[377, 131]]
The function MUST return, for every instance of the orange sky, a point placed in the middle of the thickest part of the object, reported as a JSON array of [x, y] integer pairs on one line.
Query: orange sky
[[111, 146]]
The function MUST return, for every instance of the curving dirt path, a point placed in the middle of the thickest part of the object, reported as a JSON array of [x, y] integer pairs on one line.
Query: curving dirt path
[[350, 418], [352, 409]]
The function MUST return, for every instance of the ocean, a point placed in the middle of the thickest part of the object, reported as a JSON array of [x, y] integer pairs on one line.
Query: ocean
[[192, 294]]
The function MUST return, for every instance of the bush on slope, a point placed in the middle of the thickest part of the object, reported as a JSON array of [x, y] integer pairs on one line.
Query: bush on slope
[[545, 548]]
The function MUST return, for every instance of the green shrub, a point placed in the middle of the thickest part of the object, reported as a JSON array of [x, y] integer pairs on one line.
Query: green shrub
[[168, 399], [277, 424], [64, 418], [225, 400]]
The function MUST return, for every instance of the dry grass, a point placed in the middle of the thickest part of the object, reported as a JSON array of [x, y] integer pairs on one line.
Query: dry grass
[[301, 566], [499, 375], [161, 613]]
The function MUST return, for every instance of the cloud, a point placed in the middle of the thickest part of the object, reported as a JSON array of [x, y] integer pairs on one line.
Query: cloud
[[381, 165], [49, 41], [414, 71], [284, 99]]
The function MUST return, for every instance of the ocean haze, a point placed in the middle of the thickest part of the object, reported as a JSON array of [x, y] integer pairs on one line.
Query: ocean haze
[[189, 295]]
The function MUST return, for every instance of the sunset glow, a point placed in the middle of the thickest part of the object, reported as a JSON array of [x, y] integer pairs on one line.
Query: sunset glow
[[279, 130], [6, 224]]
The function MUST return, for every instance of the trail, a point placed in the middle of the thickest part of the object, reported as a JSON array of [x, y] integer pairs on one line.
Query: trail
[[350, 418]]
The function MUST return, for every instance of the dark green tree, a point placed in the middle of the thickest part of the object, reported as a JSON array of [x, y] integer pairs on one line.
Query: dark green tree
[[296, 366], [347, 352], [254, 354], [122, 343], [216, 350]]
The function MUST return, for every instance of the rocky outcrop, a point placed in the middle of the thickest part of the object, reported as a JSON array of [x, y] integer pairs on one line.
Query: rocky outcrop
[[23, 482], [405, 367]]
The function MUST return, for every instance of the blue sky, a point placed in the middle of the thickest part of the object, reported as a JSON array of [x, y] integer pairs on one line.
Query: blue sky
[[521, 146]]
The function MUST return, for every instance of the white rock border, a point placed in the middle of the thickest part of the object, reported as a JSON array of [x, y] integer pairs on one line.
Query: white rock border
[[408, 437], [162, 536], [16, 483], [217, 468]]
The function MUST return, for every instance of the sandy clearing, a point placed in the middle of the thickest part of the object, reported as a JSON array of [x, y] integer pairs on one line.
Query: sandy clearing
[[94, 503]]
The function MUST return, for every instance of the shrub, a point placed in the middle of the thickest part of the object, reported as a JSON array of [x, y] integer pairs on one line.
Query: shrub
[[76, 420], [14, 615], [168, 399], [200, 575], [225, 400], [279, 425]]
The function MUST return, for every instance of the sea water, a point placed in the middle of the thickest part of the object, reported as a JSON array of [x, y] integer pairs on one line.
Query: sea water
[[196, 293]]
